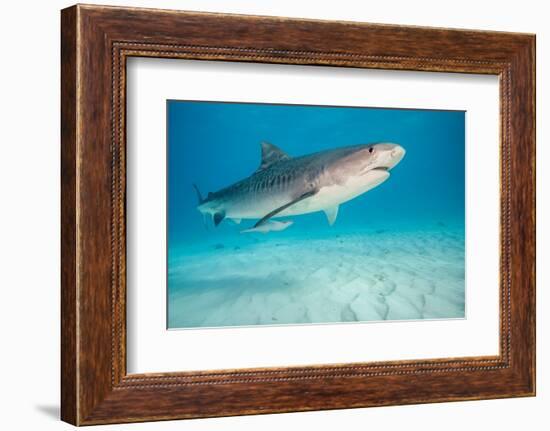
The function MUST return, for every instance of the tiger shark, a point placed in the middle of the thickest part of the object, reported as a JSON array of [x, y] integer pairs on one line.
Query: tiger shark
[[289, 186]]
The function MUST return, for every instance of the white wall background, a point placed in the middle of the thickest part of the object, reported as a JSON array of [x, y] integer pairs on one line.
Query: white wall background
[[29, 214]]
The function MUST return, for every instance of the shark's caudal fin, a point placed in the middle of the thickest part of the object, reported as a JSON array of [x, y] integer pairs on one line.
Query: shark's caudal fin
[[199, 196], [216, 217], [271, 154], [204, 221]]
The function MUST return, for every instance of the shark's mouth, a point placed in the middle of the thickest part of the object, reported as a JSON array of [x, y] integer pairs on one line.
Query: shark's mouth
[[381, 168], [366, 170]]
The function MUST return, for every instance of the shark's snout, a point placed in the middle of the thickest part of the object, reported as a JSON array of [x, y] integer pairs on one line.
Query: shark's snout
[[396, 154], [383, 156], [387, 155]]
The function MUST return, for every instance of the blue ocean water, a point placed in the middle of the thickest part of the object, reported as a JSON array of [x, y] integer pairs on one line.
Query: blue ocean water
[[396, 252]]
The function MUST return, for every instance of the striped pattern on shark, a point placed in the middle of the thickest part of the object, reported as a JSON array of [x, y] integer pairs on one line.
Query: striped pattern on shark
[[288, 186]]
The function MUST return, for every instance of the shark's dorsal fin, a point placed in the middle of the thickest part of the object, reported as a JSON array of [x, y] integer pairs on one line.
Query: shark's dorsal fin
[[271, 154]]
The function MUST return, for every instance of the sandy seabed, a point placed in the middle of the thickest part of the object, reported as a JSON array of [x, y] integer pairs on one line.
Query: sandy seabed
[[350, 277]]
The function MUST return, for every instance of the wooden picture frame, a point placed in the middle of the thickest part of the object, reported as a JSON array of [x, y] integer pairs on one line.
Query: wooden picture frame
[[96, 41]]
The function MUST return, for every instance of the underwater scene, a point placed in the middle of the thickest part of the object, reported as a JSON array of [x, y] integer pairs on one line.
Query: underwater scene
[[297, 214]]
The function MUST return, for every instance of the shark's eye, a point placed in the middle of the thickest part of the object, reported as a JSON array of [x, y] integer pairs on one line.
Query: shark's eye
[[371, 150]]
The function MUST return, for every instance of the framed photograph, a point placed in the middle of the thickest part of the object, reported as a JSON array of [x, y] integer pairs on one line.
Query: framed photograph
[[264, 215]]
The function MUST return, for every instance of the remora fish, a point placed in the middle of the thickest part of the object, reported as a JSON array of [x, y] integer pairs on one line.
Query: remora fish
[[270, 226], [287, 186]]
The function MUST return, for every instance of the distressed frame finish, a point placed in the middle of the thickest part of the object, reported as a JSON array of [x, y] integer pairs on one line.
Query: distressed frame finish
[[96, 42]]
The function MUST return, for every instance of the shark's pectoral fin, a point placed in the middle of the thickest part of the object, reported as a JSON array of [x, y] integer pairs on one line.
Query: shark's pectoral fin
[[331, 213], [284, 207], [218, 217]]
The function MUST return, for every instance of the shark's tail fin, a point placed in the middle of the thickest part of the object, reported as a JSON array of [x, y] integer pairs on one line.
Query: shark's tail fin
[[201, 200], [199, 196]]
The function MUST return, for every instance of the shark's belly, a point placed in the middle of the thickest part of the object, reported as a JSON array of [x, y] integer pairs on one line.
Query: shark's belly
[[333, 195], [326, 197]]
